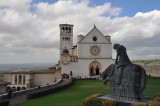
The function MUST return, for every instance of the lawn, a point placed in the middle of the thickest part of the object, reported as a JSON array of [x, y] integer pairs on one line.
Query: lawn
[[74, 95]]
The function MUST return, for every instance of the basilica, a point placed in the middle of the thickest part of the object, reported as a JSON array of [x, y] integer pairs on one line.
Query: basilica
[[89, 57]]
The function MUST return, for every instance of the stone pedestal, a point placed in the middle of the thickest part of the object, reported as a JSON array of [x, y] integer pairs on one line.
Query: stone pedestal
[[123, 102]]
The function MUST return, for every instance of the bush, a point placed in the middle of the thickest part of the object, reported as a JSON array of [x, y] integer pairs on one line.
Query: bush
[[153, 103], [139, 104], [109, 103], [90, 101], [4, 102], [156, 99], [157, 95], [48, 91], [96, 95]]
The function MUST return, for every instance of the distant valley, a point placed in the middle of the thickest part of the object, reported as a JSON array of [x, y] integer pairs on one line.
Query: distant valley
[[25, 67]]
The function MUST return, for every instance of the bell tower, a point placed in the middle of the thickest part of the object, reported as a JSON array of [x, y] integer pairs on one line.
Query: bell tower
[[66, 38]]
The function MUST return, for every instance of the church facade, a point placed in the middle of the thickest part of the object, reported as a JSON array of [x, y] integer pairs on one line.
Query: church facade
[[91, 55]]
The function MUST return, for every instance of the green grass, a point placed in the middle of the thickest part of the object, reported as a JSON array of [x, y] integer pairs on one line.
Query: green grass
[[74, 95], [153, 87]]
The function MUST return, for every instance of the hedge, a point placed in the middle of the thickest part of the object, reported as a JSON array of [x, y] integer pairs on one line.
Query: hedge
[[49, 90], [4, 102]]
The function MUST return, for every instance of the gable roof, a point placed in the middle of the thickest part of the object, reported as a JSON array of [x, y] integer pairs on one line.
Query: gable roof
[[94, 29]]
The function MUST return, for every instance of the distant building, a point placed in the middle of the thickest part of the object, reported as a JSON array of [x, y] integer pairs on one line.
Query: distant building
[[91, 55], [28, 79]]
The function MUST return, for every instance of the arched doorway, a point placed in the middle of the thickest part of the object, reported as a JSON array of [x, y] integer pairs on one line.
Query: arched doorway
[[95, 68], [18, 88], [13, 89], [23, 88], [92, 71]]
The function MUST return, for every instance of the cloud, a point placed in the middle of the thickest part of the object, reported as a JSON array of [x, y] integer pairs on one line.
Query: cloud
[[29, 31]]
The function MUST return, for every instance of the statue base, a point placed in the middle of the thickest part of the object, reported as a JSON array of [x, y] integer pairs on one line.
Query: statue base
[[123, 102]]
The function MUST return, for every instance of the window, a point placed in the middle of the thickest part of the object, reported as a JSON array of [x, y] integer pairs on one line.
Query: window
[[16, 79], [66, 29], [20, 79], [66, 38], [69, 30], [62, 29], [24, 79], [94, 38]]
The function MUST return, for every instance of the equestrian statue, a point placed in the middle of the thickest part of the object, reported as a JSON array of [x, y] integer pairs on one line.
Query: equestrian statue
[[127, 80]]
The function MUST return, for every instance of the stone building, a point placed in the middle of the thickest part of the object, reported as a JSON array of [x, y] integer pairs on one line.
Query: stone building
[[89, 57], [28, 79]]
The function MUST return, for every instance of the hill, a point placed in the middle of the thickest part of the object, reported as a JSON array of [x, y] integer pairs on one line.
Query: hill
[[148, 62]]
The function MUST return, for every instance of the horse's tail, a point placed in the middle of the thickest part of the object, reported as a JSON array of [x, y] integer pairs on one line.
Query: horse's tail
[[143, 78]]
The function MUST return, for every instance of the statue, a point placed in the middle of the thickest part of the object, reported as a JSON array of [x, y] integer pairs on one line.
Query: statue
[[127, 80]]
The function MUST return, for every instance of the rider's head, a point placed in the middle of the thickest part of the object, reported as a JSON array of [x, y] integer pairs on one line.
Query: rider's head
[[115, 45]]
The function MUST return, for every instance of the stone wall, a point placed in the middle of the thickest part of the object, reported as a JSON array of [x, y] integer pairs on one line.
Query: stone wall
[[40, 79], [152, 70], [7, 77], [3, 88]]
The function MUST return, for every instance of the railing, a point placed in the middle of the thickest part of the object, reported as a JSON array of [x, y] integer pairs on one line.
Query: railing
[[27, 91]]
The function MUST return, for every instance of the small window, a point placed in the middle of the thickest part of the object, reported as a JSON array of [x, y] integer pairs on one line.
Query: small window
[[62, 29], [69, 30], [94, 38], [66, 29]]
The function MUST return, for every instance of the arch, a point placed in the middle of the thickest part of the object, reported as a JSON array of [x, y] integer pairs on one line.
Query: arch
[[20, 79], [92, 71], [66, 29], [18, 88], [24, 79], [65, 51], [63, 29], [15, 79], [23, 88], [13, 89], [69, 30], [95, 68]]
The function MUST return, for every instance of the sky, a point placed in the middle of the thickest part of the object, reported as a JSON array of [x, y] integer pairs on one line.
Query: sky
[[29, 30]]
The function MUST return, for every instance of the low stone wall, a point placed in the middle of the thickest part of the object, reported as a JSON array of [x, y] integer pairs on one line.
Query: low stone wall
[[153, 71]]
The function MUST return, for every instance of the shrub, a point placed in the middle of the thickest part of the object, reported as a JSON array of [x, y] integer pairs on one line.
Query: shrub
[[48, 91], [109, 103], [96, 95], [4, 102], [153, 103], [157, 95], [156, 99], [139, 104], [90, 101]]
